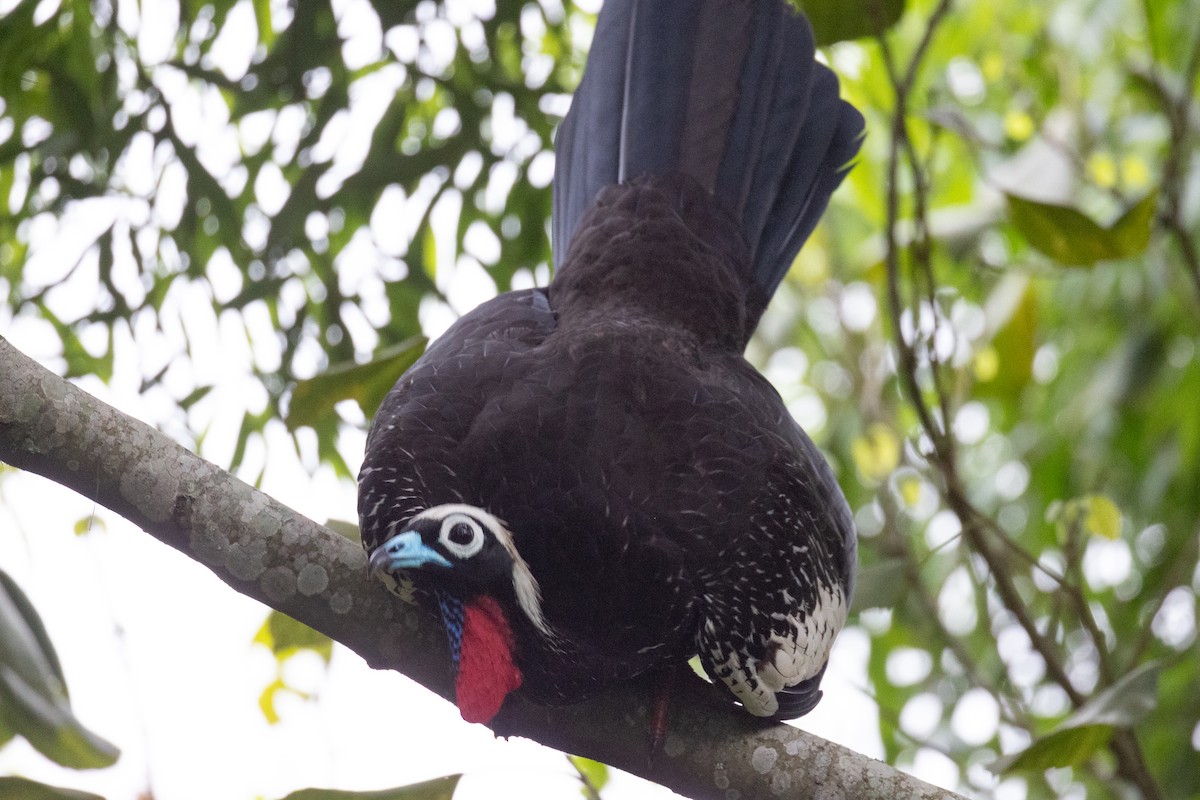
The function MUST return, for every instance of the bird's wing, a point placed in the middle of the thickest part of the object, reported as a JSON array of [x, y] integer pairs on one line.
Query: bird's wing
[[778, 598], [777, 594]]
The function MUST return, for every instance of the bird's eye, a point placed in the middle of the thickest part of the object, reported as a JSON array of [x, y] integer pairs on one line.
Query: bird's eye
[[461, 535]]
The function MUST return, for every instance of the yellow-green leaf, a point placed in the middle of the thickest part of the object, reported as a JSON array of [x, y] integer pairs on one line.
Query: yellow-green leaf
[[592, 773], [429, 253], [89, 524], [1071, 238], [436, 789], [877, 452], [266, 700], [284, 636], [908, 488], [262, 17], [1095, 514]]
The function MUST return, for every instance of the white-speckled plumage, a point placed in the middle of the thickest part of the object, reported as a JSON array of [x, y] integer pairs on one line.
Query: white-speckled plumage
[[795, 656]]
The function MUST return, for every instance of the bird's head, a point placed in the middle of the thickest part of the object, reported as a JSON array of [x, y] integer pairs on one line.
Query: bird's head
[[471, 560], [467, 550], [463, 541]]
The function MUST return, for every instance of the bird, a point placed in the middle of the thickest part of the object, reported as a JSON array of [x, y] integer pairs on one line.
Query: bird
[[588, 482]]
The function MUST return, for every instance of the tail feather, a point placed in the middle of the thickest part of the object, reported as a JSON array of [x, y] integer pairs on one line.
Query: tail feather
[[773, 86], [723, 38], [796, 701], [588, 145], [825, 147], [725, 91], [653, 115]]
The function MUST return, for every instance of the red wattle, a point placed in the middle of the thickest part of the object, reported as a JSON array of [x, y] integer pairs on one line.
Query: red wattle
[[486, 670]]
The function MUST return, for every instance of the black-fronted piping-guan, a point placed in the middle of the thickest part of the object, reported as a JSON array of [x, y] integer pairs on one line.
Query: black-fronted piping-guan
[[589, 480]]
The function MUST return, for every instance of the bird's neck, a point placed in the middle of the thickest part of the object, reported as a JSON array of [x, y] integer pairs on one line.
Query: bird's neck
[[484, 650]]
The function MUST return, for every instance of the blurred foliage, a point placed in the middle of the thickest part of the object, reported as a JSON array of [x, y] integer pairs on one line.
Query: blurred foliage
[[993, 335], [1075, 739], [26, 789], [286, 638], [592, 775], [33, 691], [436, 789]]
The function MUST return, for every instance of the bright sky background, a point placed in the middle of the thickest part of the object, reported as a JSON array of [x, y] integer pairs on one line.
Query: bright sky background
[[158, 652]]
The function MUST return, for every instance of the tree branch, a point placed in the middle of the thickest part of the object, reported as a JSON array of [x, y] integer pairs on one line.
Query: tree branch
[[266, 551], [979, 530]]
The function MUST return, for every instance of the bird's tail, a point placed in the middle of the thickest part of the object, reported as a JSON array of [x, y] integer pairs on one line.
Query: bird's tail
[[726, 91]]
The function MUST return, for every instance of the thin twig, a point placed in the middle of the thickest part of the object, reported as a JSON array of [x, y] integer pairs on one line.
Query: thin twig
[[1178, 113], [979, 530], [1182, 563]]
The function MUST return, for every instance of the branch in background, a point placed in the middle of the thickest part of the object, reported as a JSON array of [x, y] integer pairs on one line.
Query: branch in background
[[1177, 108], [979, 529], [895, 545], [267, 551]]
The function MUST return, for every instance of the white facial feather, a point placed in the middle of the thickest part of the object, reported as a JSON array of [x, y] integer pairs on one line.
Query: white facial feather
[[525, 586]]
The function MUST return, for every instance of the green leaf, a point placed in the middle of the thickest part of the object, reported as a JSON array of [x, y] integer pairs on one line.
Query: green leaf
[[195, 396], [33, 695], [1095, 514], [879, 585], [1071, 238], [26, 789], [1125, 703], [1122, 705], [89, 524], [1131, 231], [313, 399], [262, 16], [840, 20], [285, 636], [592, 773], [1064, 748], [1014, 301], [79, 361], [266, 700], [14, 594], [343, 528], [436, 789]]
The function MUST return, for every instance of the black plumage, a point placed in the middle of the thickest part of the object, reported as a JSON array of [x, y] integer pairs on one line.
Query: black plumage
[[598, 458]]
